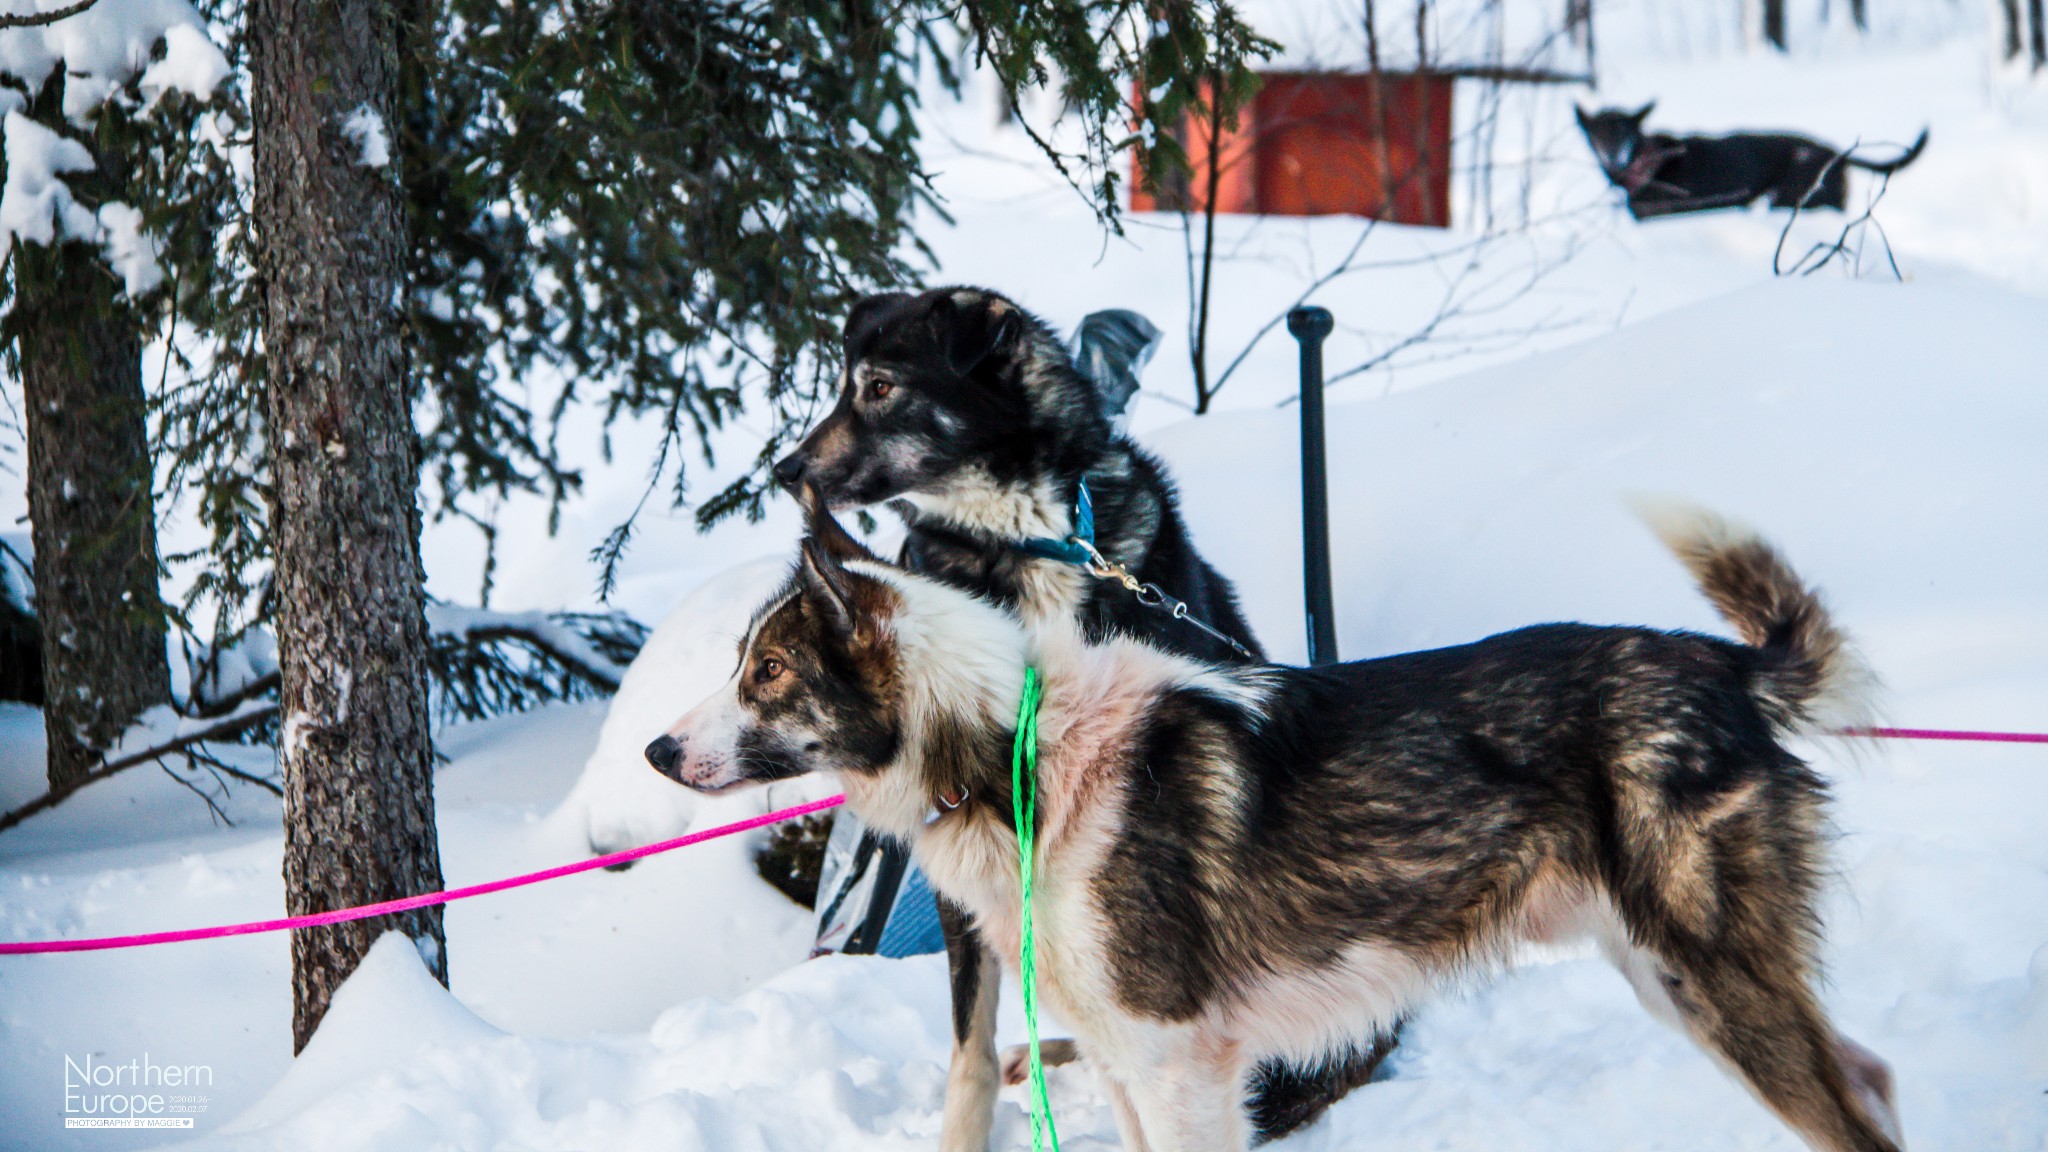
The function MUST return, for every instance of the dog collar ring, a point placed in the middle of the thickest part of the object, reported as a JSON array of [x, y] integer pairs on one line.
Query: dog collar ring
[[945, 802]]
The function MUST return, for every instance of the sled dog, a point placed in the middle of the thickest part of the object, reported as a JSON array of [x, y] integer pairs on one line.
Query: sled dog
[[1665, 174], [967, 414], [1241, 863]]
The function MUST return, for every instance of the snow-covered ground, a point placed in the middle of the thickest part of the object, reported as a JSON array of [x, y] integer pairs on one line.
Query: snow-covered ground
[[1888, 435]]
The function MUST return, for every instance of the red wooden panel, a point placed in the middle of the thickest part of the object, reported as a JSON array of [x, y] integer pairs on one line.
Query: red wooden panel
[[1236, 165], [1332, 144], [1325, 143]]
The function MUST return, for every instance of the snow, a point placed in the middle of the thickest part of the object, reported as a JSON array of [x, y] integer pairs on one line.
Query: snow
[[36, 205], [211, 675], [130, 252], [1886, 435], [191, 63], [366, 129]]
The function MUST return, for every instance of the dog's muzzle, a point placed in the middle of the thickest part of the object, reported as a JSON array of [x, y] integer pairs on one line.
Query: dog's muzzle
[[788, 470], [665, 754]]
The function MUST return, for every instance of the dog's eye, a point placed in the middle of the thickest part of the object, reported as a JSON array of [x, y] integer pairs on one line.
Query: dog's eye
[[880, 389], [769, 670]]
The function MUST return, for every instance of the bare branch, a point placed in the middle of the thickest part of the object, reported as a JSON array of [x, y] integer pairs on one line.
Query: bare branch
[[1818, 256]]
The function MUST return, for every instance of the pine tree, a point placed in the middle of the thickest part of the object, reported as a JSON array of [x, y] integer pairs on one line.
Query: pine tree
[[107, 142], [78, 349], [329, 216]]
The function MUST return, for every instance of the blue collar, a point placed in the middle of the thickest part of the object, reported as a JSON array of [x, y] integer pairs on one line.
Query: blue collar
[[1073, 549]]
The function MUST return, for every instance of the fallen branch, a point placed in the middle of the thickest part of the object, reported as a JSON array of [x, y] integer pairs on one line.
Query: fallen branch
[[230, 726], [42, 19], [465, 670]]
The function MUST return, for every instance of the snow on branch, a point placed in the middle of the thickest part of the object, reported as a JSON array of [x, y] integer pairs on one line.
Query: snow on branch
[[487, 662], [43, 19], [102, 46]]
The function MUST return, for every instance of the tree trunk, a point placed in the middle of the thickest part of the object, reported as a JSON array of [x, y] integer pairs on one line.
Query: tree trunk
[[1578, 20], [350, 610], [2037, 34], [2012, 23], [89, 487], [1774, 23]]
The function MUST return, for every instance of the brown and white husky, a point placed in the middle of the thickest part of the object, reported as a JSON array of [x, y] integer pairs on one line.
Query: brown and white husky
[[1240, 863]]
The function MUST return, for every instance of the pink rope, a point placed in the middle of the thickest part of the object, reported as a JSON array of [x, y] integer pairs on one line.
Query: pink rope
[[1948, 734], [408, 903]]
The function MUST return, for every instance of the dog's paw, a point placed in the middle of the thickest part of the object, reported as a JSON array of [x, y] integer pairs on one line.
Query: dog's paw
[[1017, 1058]]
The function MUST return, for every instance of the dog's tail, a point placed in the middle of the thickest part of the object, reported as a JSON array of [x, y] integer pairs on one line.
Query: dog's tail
[[1889, 166], [1811, 674]]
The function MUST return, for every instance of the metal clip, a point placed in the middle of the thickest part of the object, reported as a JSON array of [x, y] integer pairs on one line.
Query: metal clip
[[1151, 595]]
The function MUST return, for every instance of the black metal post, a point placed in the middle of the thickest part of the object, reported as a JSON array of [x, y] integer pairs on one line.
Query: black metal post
[[1309, 326]]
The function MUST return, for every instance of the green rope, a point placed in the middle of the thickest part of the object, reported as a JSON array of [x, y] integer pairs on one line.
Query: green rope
[[1023, 805]]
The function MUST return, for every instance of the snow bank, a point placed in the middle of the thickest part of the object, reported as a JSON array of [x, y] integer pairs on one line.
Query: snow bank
[[384, 1016], [845, 1053], [619, 801]]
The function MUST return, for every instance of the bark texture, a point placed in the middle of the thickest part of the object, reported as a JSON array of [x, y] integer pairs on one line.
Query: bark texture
[[350, 610], [89, 504]]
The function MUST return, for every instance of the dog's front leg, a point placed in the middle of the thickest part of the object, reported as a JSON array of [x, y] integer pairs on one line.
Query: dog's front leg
[[1193, 1100], [1128, 1127], [971, 1080]]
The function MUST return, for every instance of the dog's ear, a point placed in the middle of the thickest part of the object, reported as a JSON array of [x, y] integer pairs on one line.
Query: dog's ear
[[1643, 113], [1580, 113], [827, 587], [972, 326], [825, 529], [867, 315]]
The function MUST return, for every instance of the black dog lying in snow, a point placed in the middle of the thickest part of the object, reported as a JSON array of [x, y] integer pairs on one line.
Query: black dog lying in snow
[[1664, 175]]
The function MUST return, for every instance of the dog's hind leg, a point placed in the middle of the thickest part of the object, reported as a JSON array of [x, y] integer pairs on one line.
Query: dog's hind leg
[[1713, 895], [1775, 1037], [1051, 1053], [972, 1077], [1741, 991]]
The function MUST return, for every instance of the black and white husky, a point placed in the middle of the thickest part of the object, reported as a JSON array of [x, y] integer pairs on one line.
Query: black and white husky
[[968, 415], [1238, 863]]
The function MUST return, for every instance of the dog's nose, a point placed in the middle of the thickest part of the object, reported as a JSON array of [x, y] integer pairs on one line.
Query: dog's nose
[[789, 470], [664, 753]]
